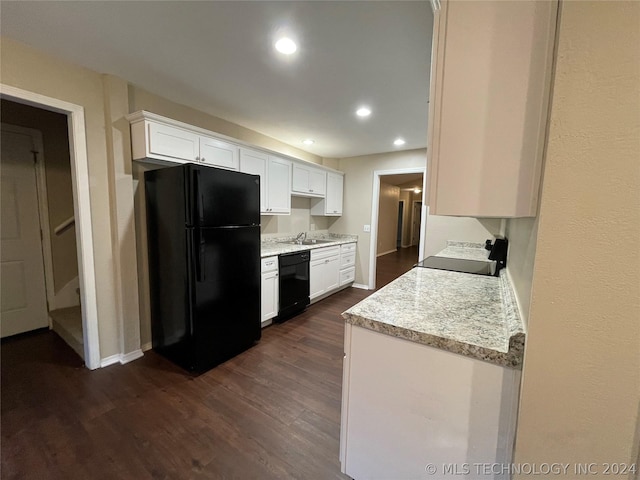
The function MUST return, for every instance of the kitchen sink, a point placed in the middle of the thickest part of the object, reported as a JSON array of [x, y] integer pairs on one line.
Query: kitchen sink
[[311, 241]]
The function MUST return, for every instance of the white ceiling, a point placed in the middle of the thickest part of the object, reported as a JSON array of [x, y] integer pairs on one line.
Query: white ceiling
[[218, 58]]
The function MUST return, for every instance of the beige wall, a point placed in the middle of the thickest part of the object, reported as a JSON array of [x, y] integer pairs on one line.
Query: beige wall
[[440, 229], [28, 69], [55, 139], [409, 198], [522, 234], [581, 379], [358, 192], [387, 218], [300, 220]]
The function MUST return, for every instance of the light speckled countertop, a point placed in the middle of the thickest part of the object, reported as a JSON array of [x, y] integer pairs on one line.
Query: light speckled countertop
[[272, 246], [468, 314], [465, 250]]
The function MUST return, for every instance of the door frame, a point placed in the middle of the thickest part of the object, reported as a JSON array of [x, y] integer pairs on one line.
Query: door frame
[[375, 199], [43, 206], [414, 204], [82, 210]]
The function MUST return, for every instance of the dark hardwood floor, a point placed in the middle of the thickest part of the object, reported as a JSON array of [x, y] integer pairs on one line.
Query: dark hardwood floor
[[392, 265], [272, 412]]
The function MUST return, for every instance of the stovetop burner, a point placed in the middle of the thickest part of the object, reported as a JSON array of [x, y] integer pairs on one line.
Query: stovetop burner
[[475, 267]]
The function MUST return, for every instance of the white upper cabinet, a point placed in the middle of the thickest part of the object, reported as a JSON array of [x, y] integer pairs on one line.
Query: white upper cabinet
[[167, 141], [255, 163], [279, 186], [275, 180], [490, 83], [159, 139], [153, 137], [218, 154], [308, 181], [331, 205]]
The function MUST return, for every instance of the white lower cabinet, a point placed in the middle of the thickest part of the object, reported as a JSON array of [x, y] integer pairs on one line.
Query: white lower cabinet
[[406, 406], [324, 271], [270, 289], [347, 263]]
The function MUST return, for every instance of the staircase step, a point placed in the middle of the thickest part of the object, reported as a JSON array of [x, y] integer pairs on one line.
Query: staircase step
[[67, 323]]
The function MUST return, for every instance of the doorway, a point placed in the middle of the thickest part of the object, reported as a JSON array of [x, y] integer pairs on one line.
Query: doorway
[[76, 139], [396, 224], [38, 222]]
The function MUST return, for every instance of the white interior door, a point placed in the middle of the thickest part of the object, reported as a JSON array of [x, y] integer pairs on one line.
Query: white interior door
[[23, 296]]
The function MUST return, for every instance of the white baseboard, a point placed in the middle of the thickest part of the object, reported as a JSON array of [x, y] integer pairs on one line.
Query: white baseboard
[[105, 362], [121, 358], [361, 286], [145, 347], [67, 296], [387, 252], [131, 356]]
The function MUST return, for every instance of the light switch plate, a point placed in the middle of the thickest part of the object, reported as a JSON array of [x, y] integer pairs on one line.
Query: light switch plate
[[367, 228]]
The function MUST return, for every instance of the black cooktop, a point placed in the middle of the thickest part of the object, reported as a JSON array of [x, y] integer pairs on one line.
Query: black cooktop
[[458, 265]]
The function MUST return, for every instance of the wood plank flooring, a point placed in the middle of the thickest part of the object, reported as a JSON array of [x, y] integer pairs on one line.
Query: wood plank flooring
[[272, 412], [392, 265]]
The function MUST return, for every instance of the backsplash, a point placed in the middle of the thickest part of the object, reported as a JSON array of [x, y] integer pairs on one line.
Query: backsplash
[[300, 219]]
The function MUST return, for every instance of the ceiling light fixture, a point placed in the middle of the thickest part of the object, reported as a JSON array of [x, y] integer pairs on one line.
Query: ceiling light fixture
[[308, 141], [363, 112], [417, 190], [286, 46], [398, 142]]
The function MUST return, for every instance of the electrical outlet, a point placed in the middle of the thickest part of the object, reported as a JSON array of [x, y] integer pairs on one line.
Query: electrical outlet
[[312, 227], [367, 228]]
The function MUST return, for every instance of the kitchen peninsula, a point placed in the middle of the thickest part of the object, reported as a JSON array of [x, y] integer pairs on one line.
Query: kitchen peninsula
[[431, 374]]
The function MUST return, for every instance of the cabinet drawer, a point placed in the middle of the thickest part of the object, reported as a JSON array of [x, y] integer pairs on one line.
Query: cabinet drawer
[[347, 259], [318, 253], [348, 275], [269, 264], [347, 247]]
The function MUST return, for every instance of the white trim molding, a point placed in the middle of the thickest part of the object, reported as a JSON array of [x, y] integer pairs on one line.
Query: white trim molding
[[121, 358], [82, 210], [373, 238], [361, 286]]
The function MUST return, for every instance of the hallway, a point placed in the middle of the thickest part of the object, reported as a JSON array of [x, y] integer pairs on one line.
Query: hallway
[[392, 265]]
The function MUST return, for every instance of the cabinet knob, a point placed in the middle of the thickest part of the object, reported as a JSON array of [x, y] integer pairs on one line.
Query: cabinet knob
[[202, 159], [311, 190], [276, 274], [197, 158]]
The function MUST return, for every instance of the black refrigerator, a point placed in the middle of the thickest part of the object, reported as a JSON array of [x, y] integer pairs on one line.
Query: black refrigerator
[[203, 235]]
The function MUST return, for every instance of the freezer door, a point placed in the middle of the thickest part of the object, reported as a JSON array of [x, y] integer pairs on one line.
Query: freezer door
[[222, 197], [226, 311]]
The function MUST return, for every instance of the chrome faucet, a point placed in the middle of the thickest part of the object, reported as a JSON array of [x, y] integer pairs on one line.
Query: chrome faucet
[[301, 237]]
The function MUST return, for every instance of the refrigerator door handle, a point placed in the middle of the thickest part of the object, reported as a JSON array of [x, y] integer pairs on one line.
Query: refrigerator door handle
[[198, 198], [200, 248]]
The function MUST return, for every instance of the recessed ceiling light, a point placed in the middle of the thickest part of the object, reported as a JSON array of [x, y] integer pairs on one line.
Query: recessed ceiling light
[[363, 112], [286, 45], [417, 190], [398, 142], [308, 141]]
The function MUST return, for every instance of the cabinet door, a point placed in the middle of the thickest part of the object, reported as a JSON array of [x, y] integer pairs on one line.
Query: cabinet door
[[300, 181], [332, 273], [308, 181], [255, 163], [317, 182], [317, 282], [173, 142], [490, 83], [278, 186], [333, 205], [269, 295], [218, 154]]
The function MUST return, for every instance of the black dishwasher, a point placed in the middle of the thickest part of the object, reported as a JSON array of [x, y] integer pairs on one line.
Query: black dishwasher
[[294, 284]]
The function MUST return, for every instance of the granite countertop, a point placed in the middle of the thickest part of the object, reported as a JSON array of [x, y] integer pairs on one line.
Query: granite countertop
[[272, 246], [471, 315]]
